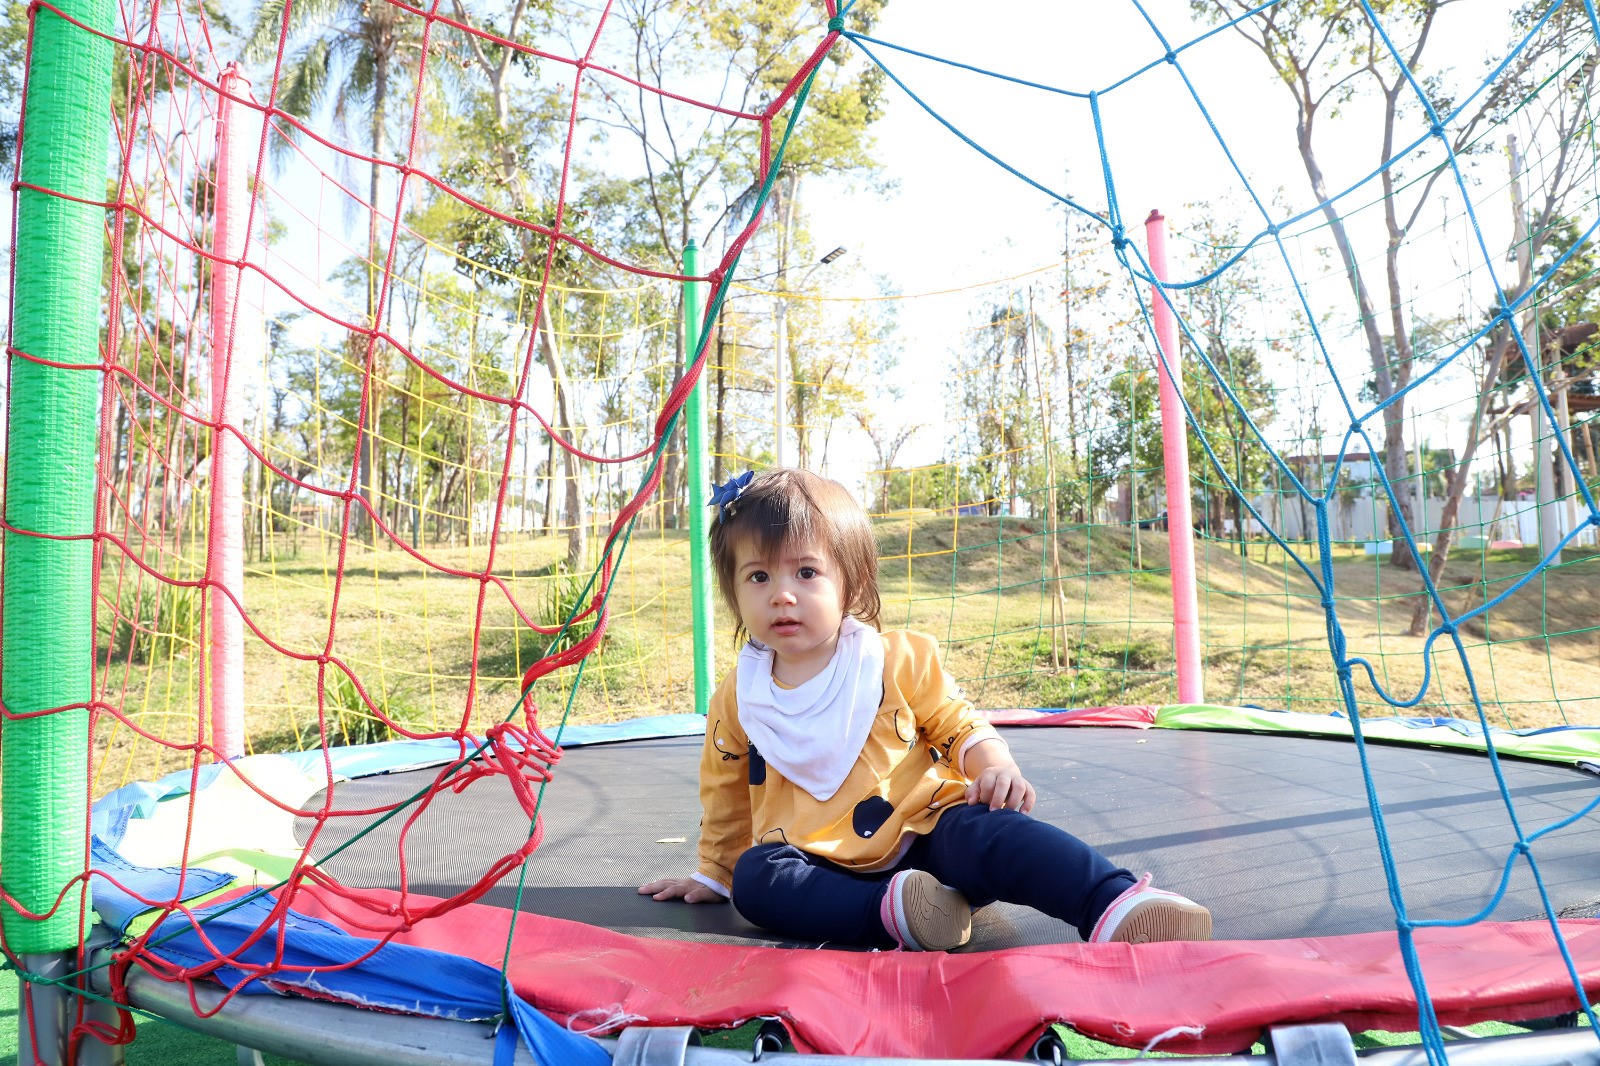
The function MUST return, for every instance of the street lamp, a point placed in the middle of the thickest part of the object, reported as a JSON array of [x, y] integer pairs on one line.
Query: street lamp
[[780, 348]]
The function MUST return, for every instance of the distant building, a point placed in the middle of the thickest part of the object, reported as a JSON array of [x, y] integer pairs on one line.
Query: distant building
[[1359, 468]]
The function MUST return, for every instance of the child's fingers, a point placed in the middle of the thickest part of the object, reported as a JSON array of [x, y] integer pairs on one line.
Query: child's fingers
[[1001, 796], [702, 894], [671, 888]]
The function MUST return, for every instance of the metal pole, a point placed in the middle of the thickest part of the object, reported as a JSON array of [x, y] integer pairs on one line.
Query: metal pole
[[699, 475], [1546, 509], [780, 350], [1175, 453]]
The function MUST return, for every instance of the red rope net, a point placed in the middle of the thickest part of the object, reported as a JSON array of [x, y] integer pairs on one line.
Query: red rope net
[[364, 423]]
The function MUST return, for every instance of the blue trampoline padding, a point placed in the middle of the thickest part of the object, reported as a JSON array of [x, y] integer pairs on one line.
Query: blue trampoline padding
[[330, 963], [119, 902]]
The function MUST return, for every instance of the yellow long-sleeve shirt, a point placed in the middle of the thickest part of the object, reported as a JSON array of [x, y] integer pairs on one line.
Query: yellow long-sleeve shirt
[[907, 775]]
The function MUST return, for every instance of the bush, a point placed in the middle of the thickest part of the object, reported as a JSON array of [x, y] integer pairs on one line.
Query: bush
[[563, 596], [153, 624]]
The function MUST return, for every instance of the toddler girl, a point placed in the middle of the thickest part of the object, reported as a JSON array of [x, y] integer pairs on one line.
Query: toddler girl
[[851, 793]]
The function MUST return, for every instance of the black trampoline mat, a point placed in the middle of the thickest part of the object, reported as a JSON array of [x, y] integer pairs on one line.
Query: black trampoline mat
[[1271, 832]]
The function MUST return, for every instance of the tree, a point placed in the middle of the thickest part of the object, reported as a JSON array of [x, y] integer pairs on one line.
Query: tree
[[1232, 398], [751, 48], [346, 54], [1567, 120], [1325, 54], [886, 445], [1127, 443], [991, 392]]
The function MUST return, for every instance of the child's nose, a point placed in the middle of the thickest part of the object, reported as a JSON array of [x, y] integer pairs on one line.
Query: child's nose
[[781, 593]]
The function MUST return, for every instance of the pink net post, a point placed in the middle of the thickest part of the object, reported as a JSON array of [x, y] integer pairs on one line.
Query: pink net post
[[1175, 454], [235, 340]]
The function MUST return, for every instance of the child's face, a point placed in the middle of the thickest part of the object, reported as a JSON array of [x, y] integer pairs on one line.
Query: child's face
[[793, 605]]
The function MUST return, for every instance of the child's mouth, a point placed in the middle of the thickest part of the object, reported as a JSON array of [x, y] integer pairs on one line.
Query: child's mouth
[[787, 627]]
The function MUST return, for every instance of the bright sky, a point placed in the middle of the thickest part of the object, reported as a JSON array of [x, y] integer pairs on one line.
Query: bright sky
[[951, 218], [954, 218]]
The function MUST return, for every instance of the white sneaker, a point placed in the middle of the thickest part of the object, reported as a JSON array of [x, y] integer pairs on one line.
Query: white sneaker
[[1145, 915], [923, 915]]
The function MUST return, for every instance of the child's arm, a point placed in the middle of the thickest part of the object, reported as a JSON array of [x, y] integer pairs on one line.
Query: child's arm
[[996, 778], [725, 798], [970, 743]]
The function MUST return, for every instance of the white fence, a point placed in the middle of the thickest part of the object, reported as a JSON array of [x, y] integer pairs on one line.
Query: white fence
[[1365, 518]]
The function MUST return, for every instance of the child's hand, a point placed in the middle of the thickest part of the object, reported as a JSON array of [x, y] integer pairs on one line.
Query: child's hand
[[1002, 786], [685, 888]]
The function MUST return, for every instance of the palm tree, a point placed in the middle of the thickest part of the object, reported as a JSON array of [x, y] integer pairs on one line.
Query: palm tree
[[342, 52]]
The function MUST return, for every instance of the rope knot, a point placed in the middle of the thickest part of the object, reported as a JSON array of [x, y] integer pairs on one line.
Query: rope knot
[[1437, 129], [1171, 57], [836, 24], [1118, 240]]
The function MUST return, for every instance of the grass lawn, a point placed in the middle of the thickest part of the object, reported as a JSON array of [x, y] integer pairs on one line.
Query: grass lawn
[[982, 585]]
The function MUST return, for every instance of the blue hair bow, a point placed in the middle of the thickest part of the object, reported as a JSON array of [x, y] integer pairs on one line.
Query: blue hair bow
[[722, 496]]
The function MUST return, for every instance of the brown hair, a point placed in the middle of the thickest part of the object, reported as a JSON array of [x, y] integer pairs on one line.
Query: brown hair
[[783, 507]]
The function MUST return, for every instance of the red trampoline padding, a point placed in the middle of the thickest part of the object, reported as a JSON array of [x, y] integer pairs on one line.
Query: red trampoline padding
[[1133, 716], [1209, 998]]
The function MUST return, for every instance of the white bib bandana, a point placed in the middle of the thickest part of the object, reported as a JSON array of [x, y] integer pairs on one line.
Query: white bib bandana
[[812, 734]]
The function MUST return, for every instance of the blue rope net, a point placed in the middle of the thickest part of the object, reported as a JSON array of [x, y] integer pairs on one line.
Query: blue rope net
[[1444, 134]]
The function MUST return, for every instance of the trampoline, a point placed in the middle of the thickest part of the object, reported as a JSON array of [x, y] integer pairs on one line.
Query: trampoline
[[1268, 828], [1270, 831], [1353, 887]]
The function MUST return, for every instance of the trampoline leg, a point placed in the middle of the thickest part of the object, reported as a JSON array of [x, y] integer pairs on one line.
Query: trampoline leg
[[664, 1046], [92, 1052], [96, 1009], [248, 1056], [1322, 1044], [44, 1011]]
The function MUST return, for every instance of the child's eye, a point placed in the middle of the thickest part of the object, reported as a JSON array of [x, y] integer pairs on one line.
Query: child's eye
[[757, 576], [808, 572]]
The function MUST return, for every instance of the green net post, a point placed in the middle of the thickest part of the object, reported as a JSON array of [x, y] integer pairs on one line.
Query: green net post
[[52, 433], [699, 457]]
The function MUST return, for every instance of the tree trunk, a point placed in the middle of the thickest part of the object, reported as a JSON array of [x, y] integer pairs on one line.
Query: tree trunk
[[366, 460], [1394, 445], [574, 511], [722, 399], [1458, 481]]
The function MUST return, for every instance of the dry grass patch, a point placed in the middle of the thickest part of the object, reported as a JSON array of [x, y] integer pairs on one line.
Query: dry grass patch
[[982, 585]]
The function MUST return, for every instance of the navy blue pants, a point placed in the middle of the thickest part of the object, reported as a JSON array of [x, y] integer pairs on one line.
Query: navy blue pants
[[986, 855]]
